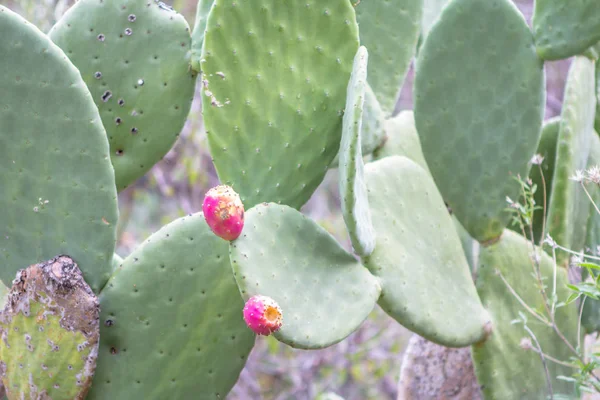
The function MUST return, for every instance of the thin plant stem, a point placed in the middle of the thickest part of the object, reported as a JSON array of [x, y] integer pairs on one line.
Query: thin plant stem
[[579, 325], [520, 300], [543, 209], [541, 354], [590, 197]]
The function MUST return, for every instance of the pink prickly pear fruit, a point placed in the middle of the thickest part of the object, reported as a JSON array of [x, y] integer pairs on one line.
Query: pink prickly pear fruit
[[224, 212], [263, 315]]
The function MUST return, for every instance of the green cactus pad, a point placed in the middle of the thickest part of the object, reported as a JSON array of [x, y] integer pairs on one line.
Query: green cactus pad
[[57, 185], [569, 206], [355, 205], [597, 119], [431, 12], [116, 261], [503, 368], [563, 29], [546, 149], [372, 132], [479, 118], [390, 30], [324, 293], [402, 139], [590, 318], [134, 56], [202, 10], [418, 256], [466, 242], [275, 77], [50, 333], [171, 322]]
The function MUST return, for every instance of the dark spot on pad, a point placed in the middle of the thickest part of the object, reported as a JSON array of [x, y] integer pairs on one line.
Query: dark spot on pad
[[113, 351], [106, 96], [101, 37], [119, 152], [131, 18], [128, 31], [134, 130], [98, 75], [109, 322]]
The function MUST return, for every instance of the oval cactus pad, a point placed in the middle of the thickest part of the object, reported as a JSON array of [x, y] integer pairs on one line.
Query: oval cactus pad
[[274, 75], [355, 204], [565, 28], [134, 56], [390, 30], [57, 186], [323, 292], [568, 209], [479, 117], [506, 365], [172, 325], [426, 281]]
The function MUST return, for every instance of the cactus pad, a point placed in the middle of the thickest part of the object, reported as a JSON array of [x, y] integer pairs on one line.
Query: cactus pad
[[431, 12], [416, 245], [275, 75], [323, 292], [390, 30], [563, 29], [479, 118], [57, 185], [402, 139], [355, 205], [202, 10], [171, 321], [134, 57], [569, 206], [546, 149], [503, 367], [50, 333]]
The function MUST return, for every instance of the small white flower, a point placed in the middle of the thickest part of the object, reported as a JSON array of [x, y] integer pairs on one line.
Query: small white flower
[[537, 159], [578, 177], [593, 174]]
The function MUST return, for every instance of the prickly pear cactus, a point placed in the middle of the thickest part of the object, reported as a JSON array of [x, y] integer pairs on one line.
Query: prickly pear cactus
[[563, 29], [58, 188], [506, 365], [50, 332], [416, 244], [476, 138], [323, 291], [568, 209], [274, 82], [390, 30], [134, 56], [355, 204], [202, 11], [171, 321]]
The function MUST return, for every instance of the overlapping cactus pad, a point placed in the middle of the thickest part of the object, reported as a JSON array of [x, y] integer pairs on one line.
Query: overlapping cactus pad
[[57, 186], [202, 11], [426, 282], [478, 116], [390, 30], [171, 321], [506, 365], [274, 81], [323, 292], [565, 28], [355, 204], [134, 56], [569, 206], [50, 333]]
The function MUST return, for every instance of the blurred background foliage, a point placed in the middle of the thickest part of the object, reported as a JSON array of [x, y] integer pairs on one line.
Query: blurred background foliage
[[365, 365]]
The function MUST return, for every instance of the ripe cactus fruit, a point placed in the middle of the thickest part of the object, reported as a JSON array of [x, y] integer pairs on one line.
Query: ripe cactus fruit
[[57, 185], [224, 212], [50, 333], [263, 315]]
